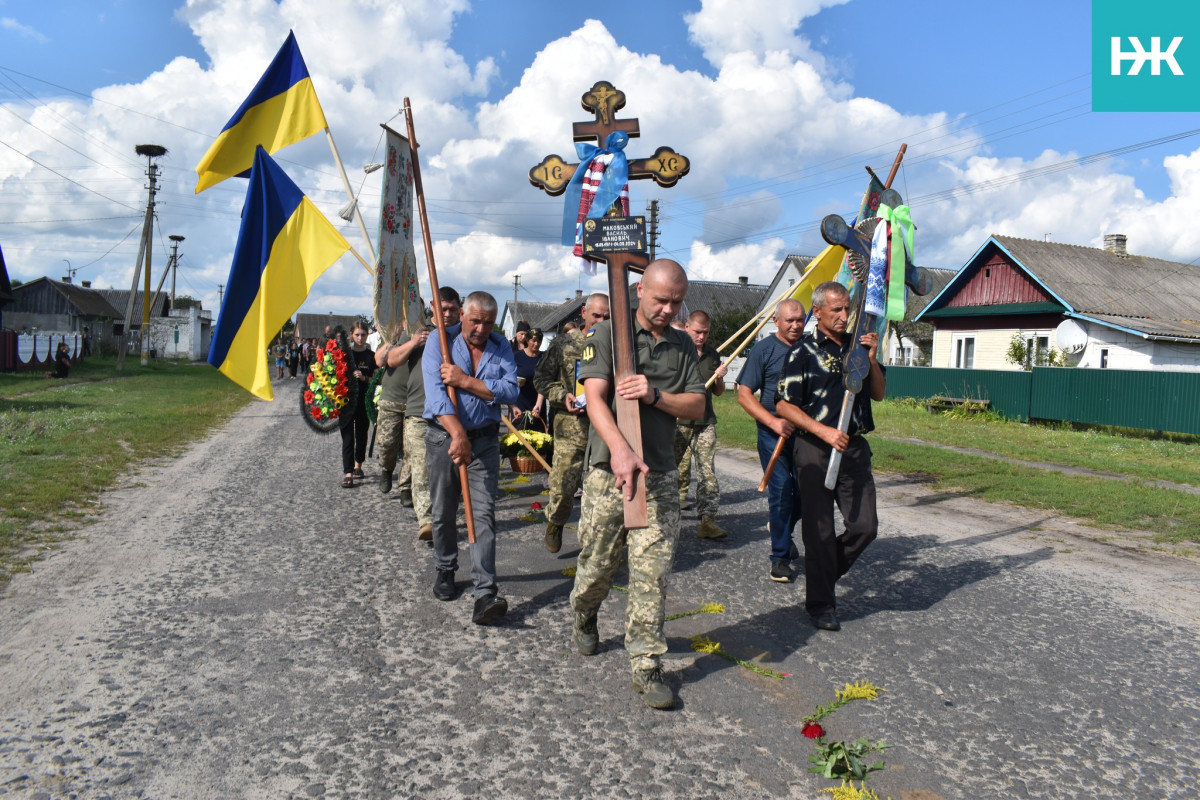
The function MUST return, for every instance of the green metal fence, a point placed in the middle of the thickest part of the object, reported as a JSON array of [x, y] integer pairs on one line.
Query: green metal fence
[[1159, 401], [1008, 390]]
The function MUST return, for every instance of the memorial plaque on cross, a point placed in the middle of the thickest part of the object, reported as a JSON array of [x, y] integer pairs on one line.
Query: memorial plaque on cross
[[665, 167]]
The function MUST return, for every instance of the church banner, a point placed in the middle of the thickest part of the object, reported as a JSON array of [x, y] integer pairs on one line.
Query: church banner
[[398, 302]]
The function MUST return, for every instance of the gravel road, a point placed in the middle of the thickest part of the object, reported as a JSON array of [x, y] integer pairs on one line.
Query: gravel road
[[235, 624]]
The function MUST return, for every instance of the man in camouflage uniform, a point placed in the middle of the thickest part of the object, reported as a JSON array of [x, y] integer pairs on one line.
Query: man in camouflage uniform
[[698, 438], [396, 359], [667, 386], [556, 379]]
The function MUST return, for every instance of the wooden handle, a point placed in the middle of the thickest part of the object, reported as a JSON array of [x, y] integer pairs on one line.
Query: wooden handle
[[629, 415], [762, 485], [835, 456], [468, 512]]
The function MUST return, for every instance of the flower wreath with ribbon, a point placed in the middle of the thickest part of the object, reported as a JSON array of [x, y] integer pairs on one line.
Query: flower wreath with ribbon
[[327, 389]]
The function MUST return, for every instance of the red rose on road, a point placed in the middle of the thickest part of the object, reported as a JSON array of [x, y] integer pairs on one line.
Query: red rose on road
[[812, 730]]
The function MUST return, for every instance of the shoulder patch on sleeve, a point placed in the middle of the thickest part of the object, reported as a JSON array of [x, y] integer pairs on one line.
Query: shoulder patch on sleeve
[[589, 352]]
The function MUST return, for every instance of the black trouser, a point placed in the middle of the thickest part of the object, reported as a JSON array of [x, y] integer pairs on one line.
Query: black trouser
[[828, 557], [354, 438]]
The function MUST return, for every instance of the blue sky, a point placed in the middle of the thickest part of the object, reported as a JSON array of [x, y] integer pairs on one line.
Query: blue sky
[[779, 104]]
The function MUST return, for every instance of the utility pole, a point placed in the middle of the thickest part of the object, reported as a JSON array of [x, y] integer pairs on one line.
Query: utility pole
[[220, 295], [175, 240], [516, 283], [652, 236], [151, 152]]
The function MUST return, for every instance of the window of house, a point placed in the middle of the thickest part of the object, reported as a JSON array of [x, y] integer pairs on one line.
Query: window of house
[[964, 352], [1037, 349], [1104, 358], [907, 356]]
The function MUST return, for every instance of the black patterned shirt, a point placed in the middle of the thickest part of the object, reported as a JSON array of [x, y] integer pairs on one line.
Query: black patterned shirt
[[812, 381]]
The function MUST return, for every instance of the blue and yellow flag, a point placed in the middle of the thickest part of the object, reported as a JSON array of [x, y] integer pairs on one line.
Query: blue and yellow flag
[[284, 245], [282, 110]]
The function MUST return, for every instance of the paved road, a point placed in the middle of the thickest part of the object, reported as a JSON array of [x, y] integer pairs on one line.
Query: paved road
[[238, 625]]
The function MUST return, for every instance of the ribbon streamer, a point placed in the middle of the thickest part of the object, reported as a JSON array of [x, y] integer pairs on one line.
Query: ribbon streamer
[[612, 182], [900, 252]]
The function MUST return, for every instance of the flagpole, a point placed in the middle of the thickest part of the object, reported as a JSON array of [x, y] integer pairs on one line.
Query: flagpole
[[435, 290], [765, 318], [362, 227], [362, 261]]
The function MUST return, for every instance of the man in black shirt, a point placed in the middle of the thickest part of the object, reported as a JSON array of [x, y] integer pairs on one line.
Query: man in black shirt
[[811, 391]]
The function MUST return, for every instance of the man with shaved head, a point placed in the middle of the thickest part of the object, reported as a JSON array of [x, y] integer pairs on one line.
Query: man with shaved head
[[761, 374], [556, 379], [667, 387]]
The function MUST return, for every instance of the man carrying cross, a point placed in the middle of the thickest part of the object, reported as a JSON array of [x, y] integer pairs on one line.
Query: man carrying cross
[[667, 386]]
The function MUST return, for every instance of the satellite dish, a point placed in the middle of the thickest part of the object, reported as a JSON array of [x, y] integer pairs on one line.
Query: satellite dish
[[1071, 336]]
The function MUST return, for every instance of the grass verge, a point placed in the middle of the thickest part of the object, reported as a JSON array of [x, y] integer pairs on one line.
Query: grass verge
[[1173, 516], [63, 442]]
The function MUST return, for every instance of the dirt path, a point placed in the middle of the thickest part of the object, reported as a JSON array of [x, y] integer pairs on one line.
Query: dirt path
[[237, 625]]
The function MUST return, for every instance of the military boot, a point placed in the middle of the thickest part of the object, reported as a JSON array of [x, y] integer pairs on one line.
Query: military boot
[[710, 530], [586, 637], [553, 537], [649, 684], [405, 496]]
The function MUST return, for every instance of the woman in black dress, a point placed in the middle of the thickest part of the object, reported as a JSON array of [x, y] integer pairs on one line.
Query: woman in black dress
[[360, 363], [527, 358]]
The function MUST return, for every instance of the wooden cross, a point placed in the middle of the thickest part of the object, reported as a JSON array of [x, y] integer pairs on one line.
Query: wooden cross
[[666, 167]]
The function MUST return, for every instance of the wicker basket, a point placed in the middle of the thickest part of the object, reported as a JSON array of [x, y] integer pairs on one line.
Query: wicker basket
[[525, 465]]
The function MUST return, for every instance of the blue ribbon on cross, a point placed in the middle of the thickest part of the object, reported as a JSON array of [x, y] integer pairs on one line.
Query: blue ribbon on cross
[[616, 175]]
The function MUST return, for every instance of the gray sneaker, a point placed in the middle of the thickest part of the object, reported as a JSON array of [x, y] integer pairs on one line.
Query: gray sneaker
[[781, 572], [586, 637], [649, 684]]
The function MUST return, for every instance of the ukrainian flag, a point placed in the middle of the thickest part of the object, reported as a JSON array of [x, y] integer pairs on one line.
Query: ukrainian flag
[[282, 110], [284, 245]]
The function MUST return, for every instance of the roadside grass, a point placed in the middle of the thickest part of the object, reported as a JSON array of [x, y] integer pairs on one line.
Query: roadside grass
[[63, 442], [1129, 452], [1172, 515]]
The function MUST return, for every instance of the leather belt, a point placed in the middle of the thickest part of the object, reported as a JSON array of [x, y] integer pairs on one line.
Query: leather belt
[[475, 433]]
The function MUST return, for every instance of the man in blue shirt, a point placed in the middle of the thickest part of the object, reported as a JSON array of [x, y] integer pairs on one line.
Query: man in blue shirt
[[761, 374], [484, 376]]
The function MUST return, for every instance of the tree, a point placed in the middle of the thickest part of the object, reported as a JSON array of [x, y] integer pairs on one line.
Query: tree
[[725, 321], [185, 301]]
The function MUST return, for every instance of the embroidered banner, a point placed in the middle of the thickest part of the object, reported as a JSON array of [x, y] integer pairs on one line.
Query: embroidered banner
[[397, 289]]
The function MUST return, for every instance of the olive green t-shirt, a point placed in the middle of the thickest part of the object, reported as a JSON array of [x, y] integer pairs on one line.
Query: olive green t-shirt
[[669, 364], [395, 379]]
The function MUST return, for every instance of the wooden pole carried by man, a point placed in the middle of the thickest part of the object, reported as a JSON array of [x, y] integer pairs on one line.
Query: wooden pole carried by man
[[434, 291]]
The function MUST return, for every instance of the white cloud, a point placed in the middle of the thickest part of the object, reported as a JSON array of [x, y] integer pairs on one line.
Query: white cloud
[[10, 24], [774, 141]]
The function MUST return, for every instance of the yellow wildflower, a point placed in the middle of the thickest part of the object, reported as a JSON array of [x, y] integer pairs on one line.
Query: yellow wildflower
[[569, 572], [848, 791], [703, 644], [859, 690], [712, 608]]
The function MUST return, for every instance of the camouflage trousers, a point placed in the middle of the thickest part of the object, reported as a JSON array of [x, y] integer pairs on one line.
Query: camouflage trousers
[[566, 470], [414, 475], [699, 442], [389, 429], [602, 535]]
